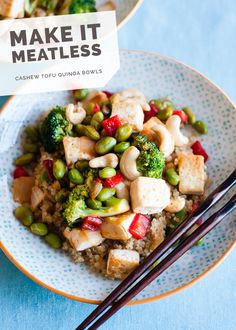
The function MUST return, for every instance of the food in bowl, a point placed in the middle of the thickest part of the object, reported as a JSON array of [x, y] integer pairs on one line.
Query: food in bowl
[[39, 8], [108, 177]]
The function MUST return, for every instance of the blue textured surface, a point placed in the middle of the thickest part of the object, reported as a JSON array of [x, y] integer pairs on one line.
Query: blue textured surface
[[201, 35]]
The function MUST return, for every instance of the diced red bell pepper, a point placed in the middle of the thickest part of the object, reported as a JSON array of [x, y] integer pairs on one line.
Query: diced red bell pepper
[[92, 223], [139, 226], [99, 180], [182, 115], [113, 181], [19, 172], [96, 108], [108, 94], [153, 111], [199, 150], [110, 125], [194, 207], [48, 165]]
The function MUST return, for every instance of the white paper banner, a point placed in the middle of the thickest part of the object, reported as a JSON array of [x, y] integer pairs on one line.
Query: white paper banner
[[58, 53]]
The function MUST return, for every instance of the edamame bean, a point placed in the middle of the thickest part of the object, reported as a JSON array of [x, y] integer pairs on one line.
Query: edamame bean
[[97, 119], [39, 229], [94, 204], [89, 108], [181, 215], [81, 94], [167, 103], [80, 129], [81, 165], [162, 104], [30, 147], [59, 169], [107, 172], [75, 176], [105, 145], [191, 115], [123, 132], [121, 147], [172, 177], [32, 133], [200, 127], [24, 159], [165, 113], [25, 215], [105, 194], [112, 201], [87, 120], [53, 240], [91, 133]]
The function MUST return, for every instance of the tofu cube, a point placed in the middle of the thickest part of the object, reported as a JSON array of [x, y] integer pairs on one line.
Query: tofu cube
[[78, 148], [191, 174], [121, 262], [12, 8], [87, 148], [117, 227], [129, 112], [22, 189], [149, 195], [83, 239]]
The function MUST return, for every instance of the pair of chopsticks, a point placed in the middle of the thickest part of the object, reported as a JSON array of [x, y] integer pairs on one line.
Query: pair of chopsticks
[[130, 287]]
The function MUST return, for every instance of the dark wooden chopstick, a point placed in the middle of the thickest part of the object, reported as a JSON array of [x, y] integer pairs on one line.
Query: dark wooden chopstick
[[211, 200], [181, 249]]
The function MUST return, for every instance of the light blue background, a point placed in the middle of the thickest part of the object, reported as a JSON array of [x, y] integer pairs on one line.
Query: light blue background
[[203, 35]]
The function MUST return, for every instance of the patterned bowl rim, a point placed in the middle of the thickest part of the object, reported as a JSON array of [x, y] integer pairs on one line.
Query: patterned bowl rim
[[131, 13], [157, 297]]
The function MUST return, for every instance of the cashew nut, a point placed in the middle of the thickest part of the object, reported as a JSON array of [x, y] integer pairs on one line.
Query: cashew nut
[[156, 131], [122, 191], [75, 113], [165, 140], [108, 160], [133, 95], [176, 205], [173, 126], [128, 163]]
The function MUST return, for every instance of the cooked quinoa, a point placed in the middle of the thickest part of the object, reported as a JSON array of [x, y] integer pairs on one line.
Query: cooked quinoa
[[132, 227]]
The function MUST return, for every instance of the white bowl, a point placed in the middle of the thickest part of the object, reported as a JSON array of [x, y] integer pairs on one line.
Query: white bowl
[[156, 76]]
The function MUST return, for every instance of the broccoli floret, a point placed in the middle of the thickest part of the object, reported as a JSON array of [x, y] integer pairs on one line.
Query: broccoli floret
[[75, 209], [82, 6], [151, 161], [50, 5], [78, 7], [54, 127]]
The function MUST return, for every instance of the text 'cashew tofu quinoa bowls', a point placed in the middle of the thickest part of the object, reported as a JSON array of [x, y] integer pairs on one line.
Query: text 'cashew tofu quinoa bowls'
[[107, 178]]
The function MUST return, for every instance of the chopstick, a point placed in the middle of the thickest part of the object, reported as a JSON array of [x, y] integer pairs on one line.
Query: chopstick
[[211, 200], [181, 249]]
